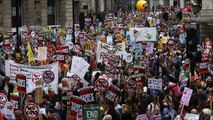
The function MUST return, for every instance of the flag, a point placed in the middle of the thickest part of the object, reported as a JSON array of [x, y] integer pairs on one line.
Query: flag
[[30, 54]]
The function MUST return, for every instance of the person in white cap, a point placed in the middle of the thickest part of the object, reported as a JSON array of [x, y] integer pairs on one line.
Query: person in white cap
[[206, 114]]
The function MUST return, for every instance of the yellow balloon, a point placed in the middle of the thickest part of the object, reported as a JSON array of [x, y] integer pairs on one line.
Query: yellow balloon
[[141, 5]]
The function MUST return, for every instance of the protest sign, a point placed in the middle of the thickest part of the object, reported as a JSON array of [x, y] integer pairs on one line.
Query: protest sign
[[203, 65], [76, 105], [109, 15], [86, 94], [186, 96], [12, 69], [79, 66], [128, 57], [189, 116], [48, 76], [137, 75], [8, 111], [21, 83], [14, 99], [106, 48], [42, 53], [3, 98], [143, 34], [155, 84], [102, 84], [149, 48], [91, 112], [112, 93], [130, 86], [60, 57], [66, 97], [110, 72], [142, 117], [37, 77], [31, 111], [155, 117]]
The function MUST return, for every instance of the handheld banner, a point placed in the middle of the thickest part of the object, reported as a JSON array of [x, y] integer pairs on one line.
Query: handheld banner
[[112, 93], [21, 83], [86, 94], [76, 105], [91, 113]]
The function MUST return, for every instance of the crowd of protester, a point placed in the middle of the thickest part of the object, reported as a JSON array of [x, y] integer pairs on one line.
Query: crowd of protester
[[167, 63]]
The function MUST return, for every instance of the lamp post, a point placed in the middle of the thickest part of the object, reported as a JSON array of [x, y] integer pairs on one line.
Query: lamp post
[[18, 42]]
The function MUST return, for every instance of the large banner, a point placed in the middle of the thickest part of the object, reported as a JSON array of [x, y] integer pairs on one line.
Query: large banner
[[143, 34], [47, 73], [106, 48]]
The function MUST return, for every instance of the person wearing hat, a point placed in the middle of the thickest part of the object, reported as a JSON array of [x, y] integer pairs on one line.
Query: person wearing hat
[[6, 87], [206, 114]]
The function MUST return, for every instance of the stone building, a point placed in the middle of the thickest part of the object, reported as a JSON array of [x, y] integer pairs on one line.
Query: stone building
[[35, 12]]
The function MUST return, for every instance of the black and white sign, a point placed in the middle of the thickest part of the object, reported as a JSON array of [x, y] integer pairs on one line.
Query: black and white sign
[[110, 72], [102, 84], [155, 84], [31, 111], [48, 76], [3, 98]]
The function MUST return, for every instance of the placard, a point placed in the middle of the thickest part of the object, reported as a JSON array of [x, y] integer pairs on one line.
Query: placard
[[110, 72], [102, 84], [155, 84], [12, 69], [21, 83], [112, 93], [86, 94], [66, 97], [3, 98], [142, 117], [203, 66], [186, 96], [42, 53], [143, 34], [76, 105], [91, 112], [14, 99], [31, 111], [130, 86], [79, 66]]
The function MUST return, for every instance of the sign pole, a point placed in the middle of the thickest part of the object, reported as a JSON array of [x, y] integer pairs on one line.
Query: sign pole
[[182, 110], [68, 111]]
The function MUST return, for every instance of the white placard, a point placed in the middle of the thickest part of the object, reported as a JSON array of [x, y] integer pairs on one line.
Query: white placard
[[79, 66], [155, 84], [42, 53], [143, 34], [12, 69], [187, 93]]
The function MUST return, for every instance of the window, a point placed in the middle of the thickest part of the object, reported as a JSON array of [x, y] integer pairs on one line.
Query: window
[[51, 12], [13, 13]]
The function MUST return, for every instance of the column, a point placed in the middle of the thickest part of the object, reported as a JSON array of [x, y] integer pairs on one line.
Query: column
[[43, 15], [68, 13], [151, 4], [101, 4], [30, 12], [7, 16], [181, 3], [171, 3], [93, 6]]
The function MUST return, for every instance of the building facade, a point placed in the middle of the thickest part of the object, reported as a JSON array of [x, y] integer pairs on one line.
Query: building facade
[[35, 12]]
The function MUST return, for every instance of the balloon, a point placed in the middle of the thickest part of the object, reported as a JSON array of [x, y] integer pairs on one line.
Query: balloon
[[141, 5]]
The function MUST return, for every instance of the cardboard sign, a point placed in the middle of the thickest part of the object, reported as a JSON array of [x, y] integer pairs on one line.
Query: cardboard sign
[[155, 84], [66, 97], [48, 76], [91, 113], [130, 86], [31, 111], [203, 66], [112, 93], [21, 83], [86, 94], [12, 69], [143, 34], [42, 53], [76, 105], [79, 66], [186, 96], [142, 117], [102, 84]]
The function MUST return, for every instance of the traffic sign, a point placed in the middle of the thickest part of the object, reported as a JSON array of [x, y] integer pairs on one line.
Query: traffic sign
[[102, 84], [31, 111], [3, 98], [48, 76], [130, 86], [36, 77]]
